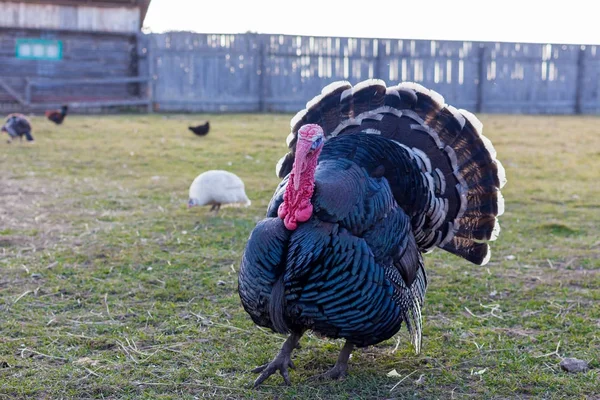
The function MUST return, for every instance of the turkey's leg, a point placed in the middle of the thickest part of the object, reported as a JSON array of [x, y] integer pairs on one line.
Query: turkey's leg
[[340, 368], [281, 362]]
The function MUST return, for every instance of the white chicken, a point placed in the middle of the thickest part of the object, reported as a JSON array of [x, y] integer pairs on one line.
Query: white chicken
[[216, 188]]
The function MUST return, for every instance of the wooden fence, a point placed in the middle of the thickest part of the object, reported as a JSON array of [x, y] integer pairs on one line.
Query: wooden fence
[[250, 72]]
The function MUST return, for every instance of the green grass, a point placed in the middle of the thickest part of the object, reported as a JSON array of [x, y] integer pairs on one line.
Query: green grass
[[111, 288]]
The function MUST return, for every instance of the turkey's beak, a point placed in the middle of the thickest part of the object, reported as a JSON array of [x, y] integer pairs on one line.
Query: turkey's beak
[[300, 162]]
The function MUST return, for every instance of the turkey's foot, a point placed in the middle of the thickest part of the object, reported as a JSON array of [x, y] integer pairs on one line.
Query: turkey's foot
[[280, 363], [338, 372], [340, 369]]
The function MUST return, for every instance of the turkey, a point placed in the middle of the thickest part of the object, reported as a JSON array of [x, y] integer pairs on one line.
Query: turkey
[[17, 125], [215, 188], [375, 177]]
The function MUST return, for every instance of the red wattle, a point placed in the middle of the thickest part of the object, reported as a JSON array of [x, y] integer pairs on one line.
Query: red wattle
[[296, 206]]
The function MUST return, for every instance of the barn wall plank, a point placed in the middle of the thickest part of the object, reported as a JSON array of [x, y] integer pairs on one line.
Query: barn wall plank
[[65, 17]]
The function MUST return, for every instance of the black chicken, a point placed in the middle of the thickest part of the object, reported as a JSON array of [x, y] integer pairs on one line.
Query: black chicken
[[375, 177], [17, 125], [200, 130], [57, 116]]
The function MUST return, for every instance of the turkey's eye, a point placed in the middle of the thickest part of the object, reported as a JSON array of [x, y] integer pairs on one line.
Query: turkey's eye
[[316, 143]]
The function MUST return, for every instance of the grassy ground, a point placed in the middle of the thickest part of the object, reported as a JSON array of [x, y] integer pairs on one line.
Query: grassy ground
[[111, 288]]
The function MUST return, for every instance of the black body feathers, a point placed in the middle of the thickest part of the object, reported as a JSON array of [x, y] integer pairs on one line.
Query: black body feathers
[[400, 174], [200, 130]]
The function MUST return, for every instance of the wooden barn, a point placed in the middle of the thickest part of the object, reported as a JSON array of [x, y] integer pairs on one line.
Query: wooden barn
[[89, 54]]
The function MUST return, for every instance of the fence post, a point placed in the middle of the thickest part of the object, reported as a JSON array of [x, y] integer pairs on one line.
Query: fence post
[[145, 66], [28, 91], [261, 68], [150, 85], [579, 81], [378, 74], [140, 68], [481, 76]]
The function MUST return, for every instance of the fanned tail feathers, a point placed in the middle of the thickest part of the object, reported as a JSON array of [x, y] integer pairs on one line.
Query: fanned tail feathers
[[458, 164]]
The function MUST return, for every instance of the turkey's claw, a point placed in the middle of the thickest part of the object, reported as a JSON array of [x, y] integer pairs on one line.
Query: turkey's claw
[[282, 362], [338, 372]]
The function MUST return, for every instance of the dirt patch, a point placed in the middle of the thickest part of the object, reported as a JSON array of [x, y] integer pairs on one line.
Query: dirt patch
[[27, 215], [13, 241]]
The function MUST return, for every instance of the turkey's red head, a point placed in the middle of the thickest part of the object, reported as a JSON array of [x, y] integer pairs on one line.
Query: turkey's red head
[[296, 206], [308, 148]]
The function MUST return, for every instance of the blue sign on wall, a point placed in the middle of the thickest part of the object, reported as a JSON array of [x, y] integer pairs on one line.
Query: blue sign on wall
[[39, 49]]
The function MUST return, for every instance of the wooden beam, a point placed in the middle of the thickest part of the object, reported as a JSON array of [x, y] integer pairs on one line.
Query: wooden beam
[[73, 32], [150, 86], [13, 93], [86, 3], [220, 102], [69, 82], [83, 104], [378, 64], [579, 84], [481, 78], [262, 70]]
